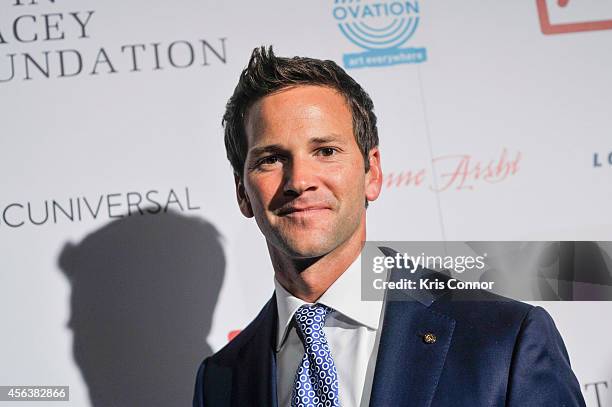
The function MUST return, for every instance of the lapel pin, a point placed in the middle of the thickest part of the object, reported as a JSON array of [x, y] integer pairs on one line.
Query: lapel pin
[[429, 338]]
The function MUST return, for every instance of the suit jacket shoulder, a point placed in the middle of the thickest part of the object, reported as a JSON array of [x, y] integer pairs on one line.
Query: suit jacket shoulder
[[502, 353], [445, 347], [243, 372]]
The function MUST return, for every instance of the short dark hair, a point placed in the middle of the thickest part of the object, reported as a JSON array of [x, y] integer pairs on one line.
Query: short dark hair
[[266, 73]]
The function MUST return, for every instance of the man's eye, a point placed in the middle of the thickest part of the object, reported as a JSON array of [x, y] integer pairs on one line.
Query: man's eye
[[272, 159], [327, 151]]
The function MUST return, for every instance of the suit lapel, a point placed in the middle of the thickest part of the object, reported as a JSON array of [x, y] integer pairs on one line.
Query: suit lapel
[[255, 379], [410, 362]]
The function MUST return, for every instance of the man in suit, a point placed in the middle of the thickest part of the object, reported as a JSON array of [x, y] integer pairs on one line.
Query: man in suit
[[302, 140]]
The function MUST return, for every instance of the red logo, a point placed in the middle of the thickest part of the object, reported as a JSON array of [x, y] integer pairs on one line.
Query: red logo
[[232, 334], [552, 28]]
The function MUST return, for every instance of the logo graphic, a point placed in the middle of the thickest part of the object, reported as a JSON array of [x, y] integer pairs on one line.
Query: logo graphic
[[562, 28], [380, 27]]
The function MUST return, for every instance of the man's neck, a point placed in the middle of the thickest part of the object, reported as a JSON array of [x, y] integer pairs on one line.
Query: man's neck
[[308, 279]]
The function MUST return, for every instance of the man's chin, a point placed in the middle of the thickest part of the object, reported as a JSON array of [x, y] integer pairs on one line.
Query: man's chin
[[305, 249], [306, 252]]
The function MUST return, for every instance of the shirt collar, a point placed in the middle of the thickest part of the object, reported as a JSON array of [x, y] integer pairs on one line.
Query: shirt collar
[[344, 296]]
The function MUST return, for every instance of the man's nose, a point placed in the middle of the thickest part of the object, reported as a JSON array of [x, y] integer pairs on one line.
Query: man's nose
[[300, 176]]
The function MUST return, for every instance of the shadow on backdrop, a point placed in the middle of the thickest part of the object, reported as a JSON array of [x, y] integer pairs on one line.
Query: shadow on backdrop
[[550, 271], [143, 292]]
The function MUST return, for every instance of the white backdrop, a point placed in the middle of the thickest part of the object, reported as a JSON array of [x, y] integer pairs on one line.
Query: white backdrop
[[503, 132]]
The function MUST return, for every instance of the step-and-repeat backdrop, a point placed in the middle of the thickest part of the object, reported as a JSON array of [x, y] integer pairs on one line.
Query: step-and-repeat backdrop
[[124, 259]]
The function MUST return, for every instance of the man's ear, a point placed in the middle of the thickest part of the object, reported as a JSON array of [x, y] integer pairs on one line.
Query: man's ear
[[242, 197], [374, 176]]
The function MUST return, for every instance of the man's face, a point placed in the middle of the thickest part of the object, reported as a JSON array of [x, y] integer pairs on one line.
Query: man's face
[[304, 178]]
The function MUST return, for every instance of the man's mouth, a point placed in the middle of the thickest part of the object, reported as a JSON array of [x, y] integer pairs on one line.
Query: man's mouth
[[303, 210]]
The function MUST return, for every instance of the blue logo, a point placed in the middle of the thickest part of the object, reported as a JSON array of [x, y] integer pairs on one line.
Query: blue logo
[[380, 27]]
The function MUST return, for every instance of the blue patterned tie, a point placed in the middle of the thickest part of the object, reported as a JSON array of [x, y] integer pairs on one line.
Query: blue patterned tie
[[316, 380]]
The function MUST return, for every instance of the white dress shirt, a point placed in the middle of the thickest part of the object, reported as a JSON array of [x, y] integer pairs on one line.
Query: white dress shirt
[[351, 331]]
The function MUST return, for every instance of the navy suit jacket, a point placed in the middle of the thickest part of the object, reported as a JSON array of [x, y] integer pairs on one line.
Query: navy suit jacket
[[489, 351]]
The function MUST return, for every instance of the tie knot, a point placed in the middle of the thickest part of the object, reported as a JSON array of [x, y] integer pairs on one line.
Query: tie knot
[[310, 320]]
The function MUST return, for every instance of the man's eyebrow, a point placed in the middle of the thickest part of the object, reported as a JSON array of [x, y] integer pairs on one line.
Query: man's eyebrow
[[331, 138]]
